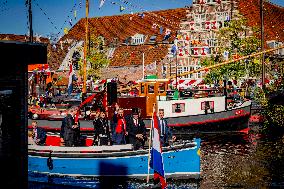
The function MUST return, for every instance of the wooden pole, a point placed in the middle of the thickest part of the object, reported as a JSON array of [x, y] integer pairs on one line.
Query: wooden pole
[[150, 143], [262, 44], [84, 90]]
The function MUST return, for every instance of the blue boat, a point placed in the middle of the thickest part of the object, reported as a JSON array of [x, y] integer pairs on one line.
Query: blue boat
[[180, 161]]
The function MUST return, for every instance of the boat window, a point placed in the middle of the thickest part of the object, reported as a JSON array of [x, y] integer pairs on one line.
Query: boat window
[[178, 107], [151, 89], [161, 87], [142, 88], [207, 105]]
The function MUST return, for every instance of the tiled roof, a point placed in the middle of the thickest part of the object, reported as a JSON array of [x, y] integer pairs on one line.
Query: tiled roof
[[273, 18], [127, 25]]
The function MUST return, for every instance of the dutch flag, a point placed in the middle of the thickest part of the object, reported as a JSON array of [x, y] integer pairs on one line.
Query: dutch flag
[[71, 78], [156, 162]]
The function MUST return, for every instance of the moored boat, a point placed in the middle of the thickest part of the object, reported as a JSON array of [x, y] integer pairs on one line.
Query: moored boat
[[202, 111], [181, 160]]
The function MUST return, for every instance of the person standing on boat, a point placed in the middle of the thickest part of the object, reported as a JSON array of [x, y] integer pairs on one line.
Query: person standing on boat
[[166, 132], [38, 134], [102, 131], [136, 130], [69, 127], [120, 129], [113, 114]]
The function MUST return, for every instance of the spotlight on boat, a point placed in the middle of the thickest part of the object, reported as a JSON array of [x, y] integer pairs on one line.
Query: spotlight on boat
[[35, 116]]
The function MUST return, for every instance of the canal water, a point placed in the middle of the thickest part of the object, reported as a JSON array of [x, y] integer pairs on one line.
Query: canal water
[[236, 160]]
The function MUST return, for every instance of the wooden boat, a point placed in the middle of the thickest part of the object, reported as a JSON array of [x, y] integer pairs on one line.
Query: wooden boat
[[181, 160]]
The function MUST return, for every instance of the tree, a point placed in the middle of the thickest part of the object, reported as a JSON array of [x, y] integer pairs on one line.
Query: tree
[[96, 58], [236, 40]]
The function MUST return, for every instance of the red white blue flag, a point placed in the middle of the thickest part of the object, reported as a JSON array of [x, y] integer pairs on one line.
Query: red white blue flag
[[156, 154], [71, 77]]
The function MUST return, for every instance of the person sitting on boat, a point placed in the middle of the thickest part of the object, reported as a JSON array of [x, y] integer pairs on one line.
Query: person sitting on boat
[[165, 130], [102, 131], [136, 130], [38, 134], [120, 129], [69, 128]]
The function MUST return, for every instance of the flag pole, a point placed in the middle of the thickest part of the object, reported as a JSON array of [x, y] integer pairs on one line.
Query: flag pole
[[143, 64], [150, 143]]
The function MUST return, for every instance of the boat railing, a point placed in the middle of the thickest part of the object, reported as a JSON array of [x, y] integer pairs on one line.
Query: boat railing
[[80, 149], [190, 95]]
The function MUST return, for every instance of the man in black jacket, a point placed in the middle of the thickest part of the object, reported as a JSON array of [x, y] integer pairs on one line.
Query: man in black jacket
[[136, 130], [69, 128]]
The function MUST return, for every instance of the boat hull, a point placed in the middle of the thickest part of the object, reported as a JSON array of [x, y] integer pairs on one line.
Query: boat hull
[[232, 120], [179, 161]]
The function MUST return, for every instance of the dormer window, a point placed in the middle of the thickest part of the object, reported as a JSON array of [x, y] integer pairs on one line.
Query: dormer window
[[153, 39], [138, 39]]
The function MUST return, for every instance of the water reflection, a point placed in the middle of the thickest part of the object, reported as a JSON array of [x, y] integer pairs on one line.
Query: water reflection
[[233, 161], [242, 161]]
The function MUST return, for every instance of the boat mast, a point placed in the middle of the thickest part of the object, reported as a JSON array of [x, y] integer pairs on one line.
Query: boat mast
[[262, 44], [84, 90], [30, 20]]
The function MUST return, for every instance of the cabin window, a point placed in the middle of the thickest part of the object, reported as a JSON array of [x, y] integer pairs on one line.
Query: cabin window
[[161, 87], [151, 89], [142, 88], [178, 107], [207, 106]]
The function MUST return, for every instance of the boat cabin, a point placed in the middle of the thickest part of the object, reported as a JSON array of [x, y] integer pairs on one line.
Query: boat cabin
[[149, 91]]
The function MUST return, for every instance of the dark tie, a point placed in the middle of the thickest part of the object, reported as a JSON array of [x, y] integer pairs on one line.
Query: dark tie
[[162, 127]]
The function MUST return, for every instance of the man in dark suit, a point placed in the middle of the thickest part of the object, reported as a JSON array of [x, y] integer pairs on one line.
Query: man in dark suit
[[38, 134], [70, 127], [136, 130], [165, 130]]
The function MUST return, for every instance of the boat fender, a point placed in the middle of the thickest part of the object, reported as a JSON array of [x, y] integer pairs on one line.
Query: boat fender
[[49, 162]]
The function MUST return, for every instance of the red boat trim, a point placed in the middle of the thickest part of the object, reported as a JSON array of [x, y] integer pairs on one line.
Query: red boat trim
[[208, 121]]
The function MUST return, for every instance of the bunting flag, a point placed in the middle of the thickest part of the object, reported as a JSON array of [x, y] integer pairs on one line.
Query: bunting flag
[[156, 162], [174, 50], [121, 8], [70, 21], [141, 15], [75, 14], [101, 3], [66, 30]]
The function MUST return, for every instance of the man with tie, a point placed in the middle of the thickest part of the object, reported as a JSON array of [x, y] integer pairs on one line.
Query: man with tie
[[136, 130], [38, 134], [165, 131]]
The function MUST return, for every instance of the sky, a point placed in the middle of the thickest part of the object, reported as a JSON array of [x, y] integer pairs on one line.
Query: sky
[[50, 17]]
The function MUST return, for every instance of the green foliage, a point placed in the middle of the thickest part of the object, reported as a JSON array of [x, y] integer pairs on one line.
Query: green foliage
[[96, 58], [238, 40]]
